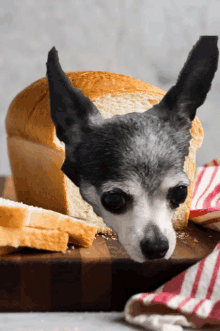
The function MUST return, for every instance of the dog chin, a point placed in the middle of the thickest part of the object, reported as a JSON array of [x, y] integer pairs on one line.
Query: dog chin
[[138, 258]]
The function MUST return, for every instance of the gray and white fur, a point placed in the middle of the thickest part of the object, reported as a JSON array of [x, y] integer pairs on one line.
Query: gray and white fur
[[129, 168]]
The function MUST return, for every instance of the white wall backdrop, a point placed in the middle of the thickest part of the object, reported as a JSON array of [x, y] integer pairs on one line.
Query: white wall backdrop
[[145, 39]]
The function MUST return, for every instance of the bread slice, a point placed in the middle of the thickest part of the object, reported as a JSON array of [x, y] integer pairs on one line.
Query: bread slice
[[16, 215], [36, 154], [52, 240]]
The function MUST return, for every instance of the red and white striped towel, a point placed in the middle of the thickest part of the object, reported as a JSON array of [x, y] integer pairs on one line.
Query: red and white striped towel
[[205, 208], [191, 299]]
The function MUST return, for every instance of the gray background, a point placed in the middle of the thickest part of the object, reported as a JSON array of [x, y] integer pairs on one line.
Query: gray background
[[146, 39]]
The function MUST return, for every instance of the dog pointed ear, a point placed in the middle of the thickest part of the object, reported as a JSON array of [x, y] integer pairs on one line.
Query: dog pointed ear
[[194, 81], [68, 105]]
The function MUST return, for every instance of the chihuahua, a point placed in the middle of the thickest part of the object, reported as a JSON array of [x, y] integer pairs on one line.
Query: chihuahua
[[129, 168]]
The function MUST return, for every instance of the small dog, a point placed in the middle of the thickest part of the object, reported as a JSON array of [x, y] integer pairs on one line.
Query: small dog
[[129, 168]]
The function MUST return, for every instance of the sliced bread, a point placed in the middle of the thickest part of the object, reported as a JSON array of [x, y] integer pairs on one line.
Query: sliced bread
[[15, 215]]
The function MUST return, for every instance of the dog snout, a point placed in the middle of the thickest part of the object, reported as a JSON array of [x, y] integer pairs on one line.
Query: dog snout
[[154, 245], [154, 249]]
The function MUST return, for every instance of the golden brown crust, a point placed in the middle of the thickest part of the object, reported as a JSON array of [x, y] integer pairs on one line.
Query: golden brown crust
[[30, 108], [96, 84]]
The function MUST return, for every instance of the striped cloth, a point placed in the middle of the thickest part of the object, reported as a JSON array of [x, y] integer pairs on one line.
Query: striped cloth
[[191, 299], [205, 208]]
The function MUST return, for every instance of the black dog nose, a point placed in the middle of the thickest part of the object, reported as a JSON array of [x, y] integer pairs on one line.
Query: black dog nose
[[154, 246]]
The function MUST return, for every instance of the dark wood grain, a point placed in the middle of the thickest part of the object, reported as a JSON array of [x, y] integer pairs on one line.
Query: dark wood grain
[[101, 277]]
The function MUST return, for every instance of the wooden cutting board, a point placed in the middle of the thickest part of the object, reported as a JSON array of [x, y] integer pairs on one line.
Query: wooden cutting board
[[101, 277]]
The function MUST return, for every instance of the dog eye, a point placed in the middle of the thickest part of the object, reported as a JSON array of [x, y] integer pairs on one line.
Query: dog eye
[[177, 195], [116, 201]]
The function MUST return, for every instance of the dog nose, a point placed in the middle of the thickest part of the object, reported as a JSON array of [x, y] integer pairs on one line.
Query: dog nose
[[154, 250], [154, 245]]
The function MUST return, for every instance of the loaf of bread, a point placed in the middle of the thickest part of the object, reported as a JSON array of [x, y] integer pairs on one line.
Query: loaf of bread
[[36, 154], [27, 226]]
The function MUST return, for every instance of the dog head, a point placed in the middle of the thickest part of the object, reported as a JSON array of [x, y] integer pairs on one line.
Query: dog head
[[129, 168]]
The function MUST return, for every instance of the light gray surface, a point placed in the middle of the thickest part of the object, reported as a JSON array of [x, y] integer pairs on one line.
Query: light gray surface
[[148, 40], [65, 322]]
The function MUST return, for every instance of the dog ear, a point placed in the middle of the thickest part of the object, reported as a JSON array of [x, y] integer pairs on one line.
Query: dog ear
[[194, 81], [68, 105]]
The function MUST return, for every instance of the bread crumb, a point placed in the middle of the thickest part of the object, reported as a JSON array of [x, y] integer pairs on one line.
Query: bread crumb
[[107, 236], [184, 236]]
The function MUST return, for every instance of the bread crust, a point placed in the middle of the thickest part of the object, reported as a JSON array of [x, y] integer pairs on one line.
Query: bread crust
[[52, 240], [15, 215]]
